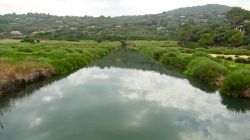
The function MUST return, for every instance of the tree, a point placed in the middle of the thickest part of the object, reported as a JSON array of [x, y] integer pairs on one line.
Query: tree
[[185, 34], [247, 28], [237, 39], [206, 39], [237, 15]]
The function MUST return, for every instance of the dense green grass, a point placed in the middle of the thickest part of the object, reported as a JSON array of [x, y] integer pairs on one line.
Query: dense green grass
[[176, 59], [63, 56], [206, 69], [236, 82], [199, 63]]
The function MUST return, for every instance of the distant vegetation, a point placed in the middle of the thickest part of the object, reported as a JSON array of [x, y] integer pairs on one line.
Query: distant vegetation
[[166, 25]]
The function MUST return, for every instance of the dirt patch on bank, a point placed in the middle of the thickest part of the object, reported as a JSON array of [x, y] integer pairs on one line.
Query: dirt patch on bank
[[14, 76], [246, 93]]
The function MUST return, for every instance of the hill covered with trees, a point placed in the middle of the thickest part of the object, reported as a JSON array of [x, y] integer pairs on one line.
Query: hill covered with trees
[[161, 26], [232, 32], [201, 25]]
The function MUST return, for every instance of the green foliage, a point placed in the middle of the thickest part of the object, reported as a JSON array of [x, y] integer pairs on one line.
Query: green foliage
[[70, 64], [242, 60], [28, 40], [237, 38], [176, 59], [161, 26], [235, 83], [72, 39], [58, 53], [236, 15], [24, 49], [63, 56], [206, 39], [124, 43], [206, 69], [229, 51], [200, 54], [247, 28]]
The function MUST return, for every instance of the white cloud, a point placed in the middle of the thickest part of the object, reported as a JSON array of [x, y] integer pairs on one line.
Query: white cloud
[[106, 7]]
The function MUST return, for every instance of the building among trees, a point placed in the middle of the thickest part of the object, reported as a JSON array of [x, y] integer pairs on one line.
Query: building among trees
[[16, 34]]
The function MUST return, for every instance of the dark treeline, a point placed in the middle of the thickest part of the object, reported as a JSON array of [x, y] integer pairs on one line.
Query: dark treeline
[[234, 31]]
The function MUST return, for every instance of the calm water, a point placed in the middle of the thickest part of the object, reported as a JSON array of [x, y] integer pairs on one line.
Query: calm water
[[125, 96]]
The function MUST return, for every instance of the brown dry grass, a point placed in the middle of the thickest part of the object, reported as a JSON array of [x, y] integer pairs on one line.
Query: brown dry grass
[[22, 71]]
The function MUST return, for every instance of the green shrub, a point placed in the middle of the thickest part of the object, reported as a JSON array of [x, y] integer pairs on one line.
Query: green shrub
[[241, 60], [40, 52], [187, 50], [229, 58], [192, 45], [58, 53], [176, 59], [25, 49], [28, 40], [235, 83], [206, 69], [7, 51], [61, 66], [79, 50], [69, 50], [201, 49], [200, 54]]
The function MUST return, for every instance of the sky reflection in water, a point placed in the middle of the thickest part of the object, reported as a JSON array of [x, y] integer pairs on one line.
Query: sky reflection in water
[[124, 96], [115, 103]]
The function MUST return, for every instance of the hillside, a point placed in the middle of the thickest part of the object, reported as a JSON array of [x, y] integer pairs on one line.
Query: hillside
[[165, 25]]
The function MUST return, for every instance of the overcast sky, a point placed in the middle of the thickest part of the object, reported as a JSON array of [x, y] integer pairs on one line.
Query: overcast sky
[[106, 7]]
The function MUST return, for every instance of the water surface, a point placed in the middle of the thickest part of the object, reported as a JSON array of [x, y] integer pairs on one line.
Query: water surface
[[124, 96]]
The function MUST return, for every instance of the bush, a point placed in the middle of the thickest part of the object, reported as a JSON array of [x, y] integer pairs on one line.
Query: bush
[[59, 53], [71, 63], [40, 52], [192, 45], [206, 69], [27, 50], [176, 59], [69, 50], [28, 40], [200, 54], [235, 83], [7, 51], [242, 60], [201, 49], [229, 58]]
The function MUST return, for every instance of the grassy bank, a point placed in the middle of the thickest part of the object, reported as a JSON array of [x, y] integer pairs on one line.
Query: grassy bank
[[23, 63], [227, 74]]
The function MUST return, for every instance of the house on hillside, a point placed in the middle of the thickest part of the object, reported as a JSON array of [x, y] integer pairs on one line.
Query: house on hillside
[[16, 34], [203, 20], [240, 27], [91, 27], [246, 21]]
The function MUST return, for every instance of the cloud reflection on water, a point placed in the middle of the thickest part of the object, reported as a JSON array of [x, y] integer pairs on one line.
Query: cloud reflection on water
[[114, 101]]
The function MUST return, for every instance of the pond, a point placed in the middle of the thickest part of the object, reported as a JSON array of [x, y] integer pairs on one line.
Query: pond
[[123, 96]]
